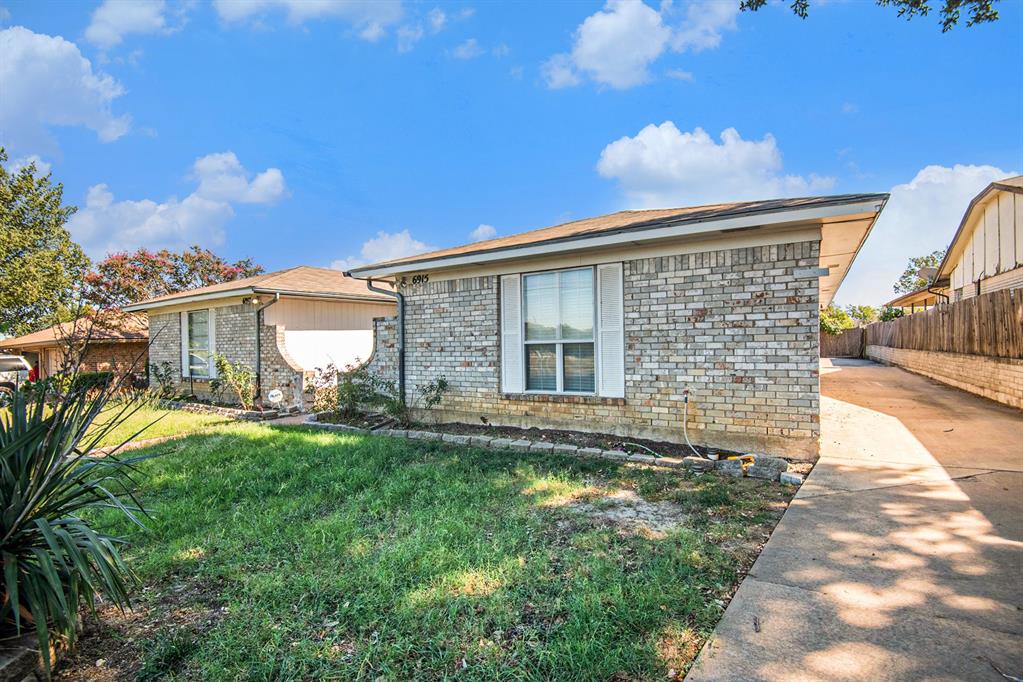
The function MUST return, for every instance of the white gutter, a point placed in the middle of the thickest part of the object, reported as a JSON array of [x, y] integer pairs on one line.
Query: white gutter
[[627, 236]]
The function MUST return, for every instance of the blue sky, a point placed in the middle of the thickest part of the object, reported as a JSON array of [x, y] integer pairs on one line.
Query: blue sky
[[340, 132]]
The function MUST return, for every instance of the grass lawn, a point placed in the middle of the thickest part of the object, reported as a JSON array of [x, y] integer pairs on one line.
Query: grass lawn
[[285, 553], [155, 422]]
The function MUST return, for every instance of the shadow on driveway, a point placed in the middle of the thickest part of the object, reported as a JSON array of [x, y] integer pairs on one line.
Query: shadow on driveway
[[901, 557]]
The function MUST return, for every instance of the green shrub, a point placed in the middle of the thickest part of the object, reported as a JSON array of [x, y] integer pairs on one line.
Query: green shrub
[[165, 378], [54, 559], [91, 380], [239, 378]]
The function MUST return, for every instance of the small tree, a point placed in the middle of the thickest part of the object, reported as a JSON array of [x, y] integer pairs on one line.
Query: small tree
[[239, 378], [834, 320], [863, 314], [910, 279], [889, 313], [425, 397]]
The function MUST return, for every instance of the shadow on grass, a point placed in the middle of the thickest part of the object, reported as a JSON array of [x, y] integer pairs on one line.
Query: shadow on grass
[[353, 557]]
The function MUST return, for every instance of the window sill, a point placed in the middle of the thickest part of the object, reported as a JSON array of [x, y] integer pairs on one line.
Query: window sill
[[569, 398]]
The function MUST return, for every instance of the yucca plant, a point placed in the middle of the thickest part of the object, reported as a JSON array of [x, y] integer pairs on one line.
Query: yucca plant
[[54, 556]]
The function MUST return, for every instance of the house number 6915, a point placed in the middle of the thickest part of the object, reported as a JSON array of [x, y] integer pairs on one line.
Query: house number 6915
[[416, 281]]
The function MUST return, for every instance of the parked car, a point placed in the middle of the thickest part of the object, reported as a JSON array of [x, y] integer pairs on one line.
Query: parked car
[[14, 370]]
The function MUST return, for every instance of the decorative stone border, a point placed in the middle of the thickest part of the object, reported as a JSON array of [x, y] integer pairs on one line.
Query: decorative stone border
[[764, 466], [234, 413]]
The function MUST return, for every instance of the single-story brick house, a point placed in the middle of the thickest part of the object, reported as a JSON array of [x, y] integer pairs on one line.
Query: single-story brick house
[[306, 318], [606, 324], [109, 343]]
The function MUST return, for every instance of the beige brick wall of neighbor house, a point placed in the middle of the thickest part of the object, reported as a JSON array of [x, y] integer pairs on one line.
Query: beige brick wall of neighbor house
[[735, 326], [999, 379], [235, 340]]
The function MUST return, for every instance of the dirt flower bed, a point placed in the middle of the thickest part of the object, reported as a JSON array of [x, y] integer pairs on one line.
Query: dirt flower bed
[[603, 441], [152, 641]]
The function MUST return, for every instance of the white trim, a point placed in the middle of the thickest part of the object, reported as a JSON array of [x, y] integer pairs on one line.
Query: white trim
[[559, 344], [136, 307], [211, 330], [249, 291], [627, 236], [605, 388]]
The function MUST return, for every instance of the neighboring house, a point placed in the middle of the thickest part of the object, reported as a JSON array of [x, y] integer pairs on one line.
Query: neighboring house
[[986, 253], [114, 343], [604, 324], [307, 318]]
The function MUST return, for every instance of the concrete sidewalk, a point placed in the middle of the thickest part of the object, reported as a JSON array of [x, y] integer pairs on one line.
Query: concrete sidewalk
[[901, 557]]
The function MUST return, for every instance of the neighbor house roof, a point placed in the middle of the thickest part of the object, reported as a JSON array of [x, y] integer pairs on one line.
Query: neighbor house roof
[[922, 297], [302, 280], [111, 328], [845, 220], [1013, 184]]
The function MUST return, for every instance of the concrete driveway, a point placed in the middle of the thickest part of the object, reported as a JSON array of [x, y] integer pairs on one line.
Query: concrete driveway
[[901, 557]]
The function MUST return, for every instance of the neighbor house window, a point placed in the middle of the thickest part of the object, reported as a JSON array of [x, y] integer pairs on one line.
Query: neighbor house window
[[558, 314], [198, 343]]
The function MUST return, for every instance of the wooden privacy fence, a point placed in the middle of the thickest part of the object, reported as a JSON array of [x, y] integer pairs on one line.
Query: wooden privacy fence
[[848, 344], [989, 324]]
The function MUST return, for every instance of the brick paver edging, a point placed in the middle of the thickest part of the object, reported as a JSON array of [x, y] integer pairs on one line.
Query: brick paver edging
[[765, 467], [247, 415]]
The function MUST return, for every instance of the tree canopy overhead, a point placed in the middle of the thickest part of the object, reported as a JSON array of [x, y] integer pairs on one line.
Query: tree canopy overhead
[[123, 278], [40, 267], [980, 11]]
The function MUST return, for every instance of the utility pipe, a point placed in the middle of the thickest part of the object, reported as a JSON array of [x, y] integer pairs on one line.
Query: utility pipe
[[401, 330], [259, 347]]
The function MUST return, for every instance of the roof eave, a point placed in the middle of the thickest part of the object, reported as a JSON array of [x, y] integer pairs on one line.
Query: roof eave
[[178, 300], [994, 186], [663, 230]]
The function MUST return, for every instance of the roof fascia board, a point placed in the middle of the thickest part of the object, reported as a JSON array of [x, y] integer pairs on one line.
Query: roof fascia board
[[323, 296], [179, 300], [625, 236]]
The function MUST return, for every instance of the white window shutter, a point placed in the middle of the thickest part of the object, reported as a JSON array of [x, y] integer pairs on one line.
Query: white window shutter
[[184, 344], [212, 364], [511, 335], [610, 316]]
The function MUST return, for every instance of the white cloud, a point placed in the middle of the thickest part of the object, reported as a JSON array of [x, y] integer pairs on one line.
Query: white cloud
[[483, 232], [680, 75], [437, 19], [470, 49], [662, 166], [385, 246], [408, 36], [45, 82], [501, 51], [222, 177], [616, 45], [559, 72], [105, 225], [15, 165], [921, 216], [371, 19], [5, 14], [704, 23], [114, 19]]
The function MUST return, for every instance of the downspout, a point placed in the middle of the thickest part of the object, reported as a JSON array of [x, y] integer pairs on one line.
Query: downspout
[[259, 347], [401, 329]]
